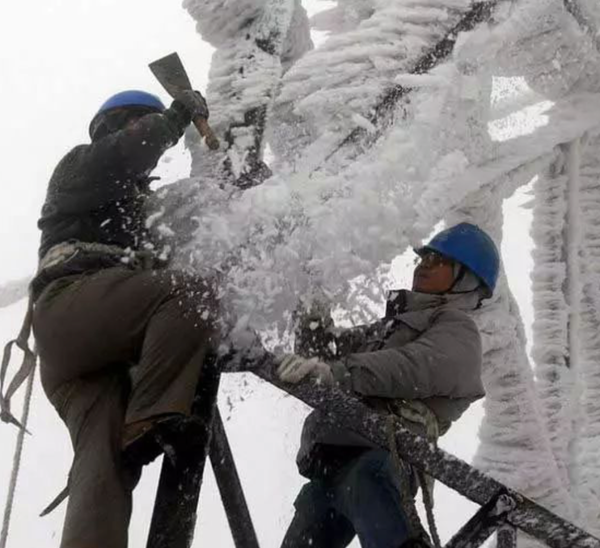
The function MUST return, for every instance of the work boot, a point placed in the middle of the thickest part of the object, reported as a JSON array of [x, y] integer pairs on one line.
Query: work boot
[[143, 441]]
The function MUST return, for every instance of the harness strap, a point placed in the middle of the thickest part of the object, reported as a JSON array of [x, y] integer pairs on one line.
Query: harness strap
[[416, 412], [427, 483], [65, 251], [26, 368], [56, 255]]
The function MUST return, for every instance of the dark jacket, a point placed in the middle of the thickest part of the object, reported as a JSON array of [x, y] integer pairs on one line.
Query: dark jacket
[[98, 192], [426, 348]]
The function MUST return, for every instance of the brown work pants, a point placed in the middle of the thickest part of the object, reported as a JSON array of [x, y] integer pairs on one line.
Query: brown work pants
[[91, 331]]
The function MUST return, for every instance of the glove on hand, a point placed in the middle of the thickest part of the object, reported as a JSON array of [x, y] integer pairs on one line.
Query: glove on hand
[[314, 330], [293, 369], [194, 103]]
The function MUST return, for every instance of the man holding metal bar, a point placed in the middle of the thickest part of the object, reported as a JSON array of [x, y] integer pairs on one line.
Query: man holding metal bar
[[421, 363]]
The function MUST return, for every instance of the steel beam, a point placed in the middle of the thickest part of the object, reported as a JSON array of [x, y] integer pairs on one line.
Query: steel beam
[[230, 487], [483, 524], [175, 508]]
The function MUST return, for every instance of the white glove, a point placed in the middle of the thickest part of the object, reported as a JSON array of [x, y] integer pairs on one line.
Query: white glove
[[293, 369]]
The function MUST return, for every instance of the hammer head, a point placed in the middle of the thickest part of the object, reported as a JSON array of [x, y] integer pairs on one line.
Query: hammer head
[[171, 74]]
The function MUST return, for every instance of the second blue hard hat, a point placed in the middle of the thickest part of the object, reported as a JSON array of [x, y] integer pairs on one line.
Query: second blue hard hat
[[470, 246]]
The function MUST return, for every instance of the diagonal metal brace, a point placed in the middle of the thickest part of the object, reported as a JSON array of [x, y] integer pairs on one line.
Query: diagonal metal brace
[[487, 519], [230, 487], [175, 508]]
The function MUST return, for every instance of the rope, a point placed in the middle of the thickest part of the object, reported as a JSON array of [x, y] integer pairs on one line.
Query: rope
[[414, 522], [10, 499], [24, 371], [428, 503]]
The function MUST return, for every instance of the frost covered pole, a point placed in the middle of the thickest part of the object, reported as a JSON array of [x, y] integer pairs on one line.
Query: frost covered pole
[[245, 73], [567, 324], [573, 246], [381, 114], [515, 447], [573, 242], [347, 87], [558, 280], [251, 42], [261, 69], [550, 285], [584, 465], [479, 12]]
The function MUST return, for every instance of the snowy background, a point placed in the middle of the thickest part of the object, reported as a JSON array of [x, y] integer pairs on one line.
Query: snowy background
[[62, 59]]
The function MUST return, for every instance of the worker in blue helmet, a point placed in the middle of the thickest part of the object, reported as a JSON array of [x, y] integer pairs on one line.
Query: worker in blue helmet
[[422, 363], [121, 337], [115, 112], [474, 253]]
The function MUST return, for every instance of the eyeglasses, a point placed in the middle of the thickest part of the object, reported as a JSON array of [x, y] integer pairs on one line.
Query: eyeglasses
[[431, 259]]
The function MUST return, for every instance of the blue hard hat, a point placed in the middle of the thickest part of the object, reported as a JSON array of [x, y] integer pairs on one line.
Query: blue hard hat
[[132, 98], [129, 98], [470, 246]]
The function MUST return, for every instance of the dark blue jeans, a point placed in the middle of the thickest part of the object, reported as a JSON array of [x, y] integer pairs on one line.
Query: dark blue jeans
[[362, 499]]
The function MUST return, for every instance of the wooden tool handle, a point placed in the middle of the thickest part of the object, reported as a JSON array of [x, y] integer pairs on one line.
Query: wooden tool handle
[[207, 132]]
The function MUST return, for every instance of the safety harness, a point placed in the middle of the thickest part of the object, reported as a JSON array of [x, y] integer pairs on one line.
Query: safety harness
[[57, 256], [415, 413], [65, 252], [49, 269]]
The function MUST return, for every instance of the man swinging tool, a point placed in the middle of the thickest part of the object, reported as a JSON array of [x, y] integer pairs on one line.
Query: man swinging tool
[[421, 363], [122, 340]]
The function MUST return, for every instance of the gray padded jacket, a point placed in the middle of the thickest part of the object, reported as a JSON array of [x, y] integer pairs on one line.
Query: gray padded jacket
[[426, 348]]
